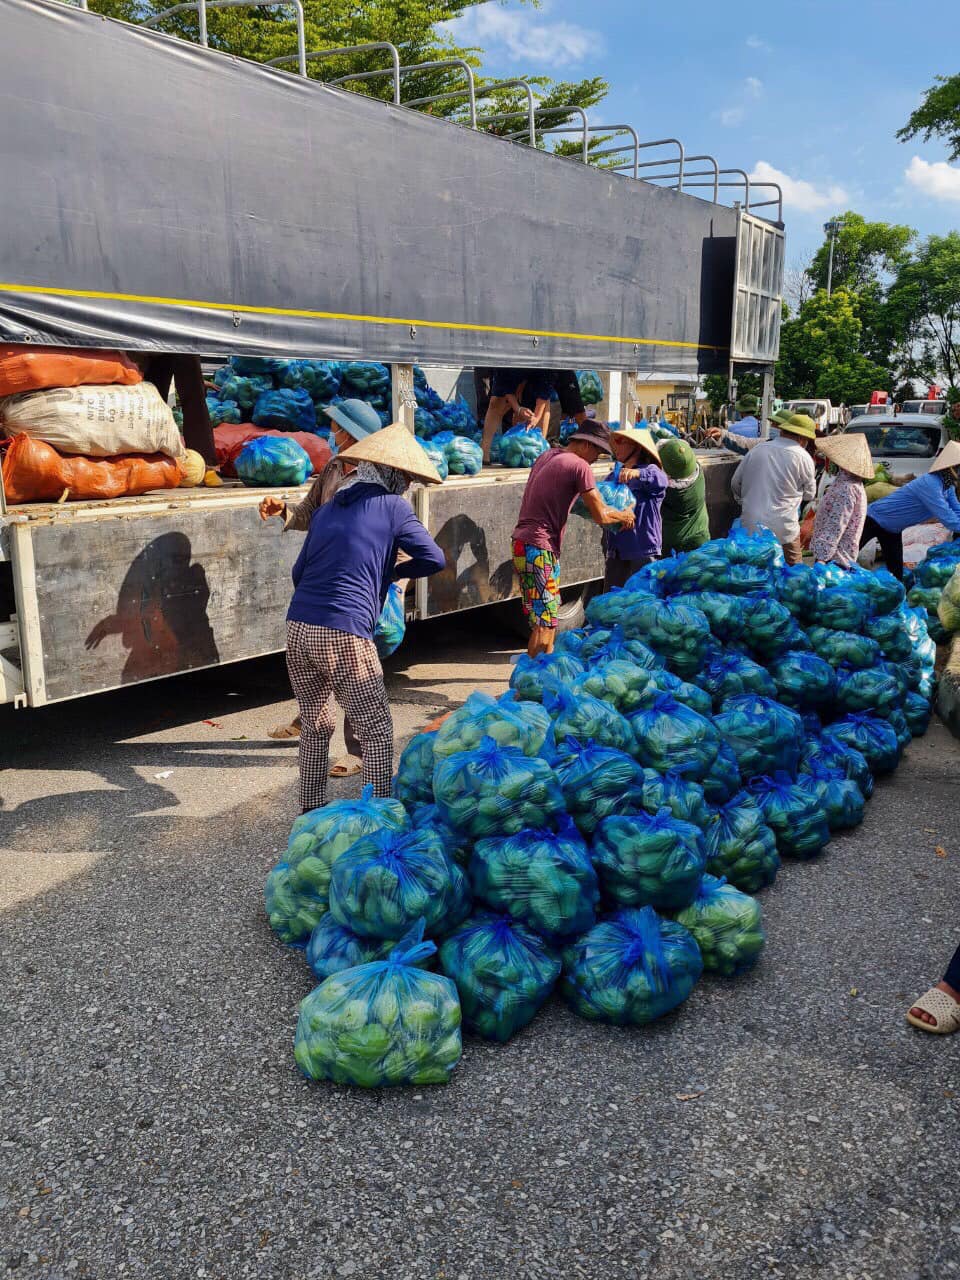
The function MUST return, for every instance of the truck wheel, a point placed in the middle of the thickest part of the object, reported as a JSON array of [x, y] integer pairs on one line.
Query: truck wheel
[[573, 604]]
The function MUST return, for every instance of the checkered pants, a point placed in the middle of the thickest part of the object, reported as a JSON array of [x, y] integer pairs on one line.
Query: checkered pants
[[325, 665]]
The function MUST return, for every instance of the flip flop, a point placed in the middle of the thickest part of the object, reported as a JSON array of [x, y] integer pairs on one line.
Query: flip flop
[[285, 733], [347, 767], [939, 1005]]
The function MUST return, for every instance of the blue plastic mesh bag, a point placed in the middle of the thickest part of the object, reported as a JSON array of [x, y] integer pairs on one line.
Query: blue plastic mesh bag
[[670, 735], [496, 790], [797, 587], [223, 410], [391, 625], [679, 633], [522, 446], [389, 880], [836, 647], [273, 460], [366, 376], [726, 615], [243, 391], [333, 948], [597, 781], [841, 609], [542, 878], [620, 683], [524, 725], [464, 456], [385, 1023], [729, 674], [723, 778], [771, 628], [834, 754], [631, 968], [917, 710], [531, 677], [803, 680], [740, 845], [683, 797], [503, 973], [588, 719], [793, 812], [436, 456], [591, 387], [606, 610], [286, 410], [841, 799], [649, 859], [727, 926], [605, 645], [873, 690], [413, 782]]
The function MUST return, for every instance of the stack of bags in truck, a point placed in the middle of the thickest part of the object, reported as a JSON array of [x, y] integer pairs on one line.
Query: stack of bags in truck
[[602, 828], [83, 424]]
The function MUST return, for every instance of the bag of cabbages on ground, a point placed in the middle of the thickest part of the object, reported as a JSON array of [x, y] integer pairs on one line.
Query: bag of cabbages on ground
[[608, 645], [457, 845], [674, 791], [872, 737], [413, 782], [385, 1023], [503, 973], [620, 683], [840, 798], [670, 735], [544, 879], [727, 925], [727, 675], [273, 460], [649, 860], [764, 734], [392, 624], [333, 948], [588, 719], [741, 847], [792, 811], [726, 615], [723, 780], [836, 647], [523, 725], [293, 912], [631, 968], [874, 690], [496, 790], [833, 754], [390, 879], [691, 695], [679, 633], [531, 677], [607, 610], [597, 781], [797, 587], [760, 548], [772, 628], [917, 710], [803, 680]]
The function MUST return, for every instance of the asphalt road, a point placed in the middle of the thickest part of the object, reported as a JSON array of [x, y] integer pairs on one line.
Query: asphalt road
[[788, 1123]]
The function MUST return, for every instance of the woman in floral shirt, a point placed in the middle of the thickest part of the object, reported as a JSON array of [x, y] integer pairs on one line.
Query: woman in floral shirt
[[843, 507]]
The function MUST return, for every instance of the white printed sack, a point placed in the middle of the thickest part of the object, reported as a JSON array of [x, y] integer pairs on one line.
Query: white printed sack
[[100, 422]]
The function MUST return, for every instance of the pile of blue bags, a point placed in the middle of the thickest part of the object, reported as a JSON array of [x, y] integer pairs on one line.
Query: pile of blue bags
[[602, 829]]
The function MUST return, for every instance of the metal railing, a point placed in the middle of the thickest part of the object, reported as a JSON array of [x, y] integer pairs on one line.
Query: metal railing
[[315, 55], [202, 6], [583, 128]]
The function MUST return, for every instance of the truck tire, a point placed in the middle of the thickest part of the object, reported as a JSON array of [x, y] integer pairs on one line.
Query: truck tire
[[573, 604]]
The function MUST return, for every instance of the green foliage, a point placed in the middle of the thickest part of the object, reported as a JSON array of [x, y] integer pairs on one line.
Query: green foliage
[[715, 387], [924, 305], [865, 252], [820, 352], [938, 116]]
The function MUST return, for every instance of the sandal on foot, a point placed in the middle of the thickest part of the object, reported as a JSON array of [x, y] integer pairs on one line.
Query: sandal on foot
[[347, 767], [940, 1006], [285, 732]]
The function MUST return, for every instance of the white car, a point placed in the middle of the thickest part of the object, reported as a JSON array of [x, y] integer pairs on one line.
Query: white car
[[906, 444]]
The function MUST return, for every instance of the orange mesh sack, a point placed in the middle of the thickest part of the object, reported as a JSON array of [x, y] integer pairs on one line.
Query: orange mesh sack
[[35, 472], [24, 368]]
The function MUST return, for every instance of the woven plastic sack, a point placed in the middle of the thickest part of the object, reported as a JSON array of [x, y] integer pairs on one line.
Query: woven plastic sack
[[503, 973], [333, 948], [676, 792], [542, 878], [464, 456], [679, 633], [764, 734], [385, 1023], [604, 645], [606, 611], [532, 677], [874, 690], [670, 735], [588, 719], [293, 410], [496, 790], [242, 391], [723, 780], [771, 628], [841, 799], [649, 859], [392, 624], [740, 846], [96, 421], [413, 782], [831, 753], [630, 969], [803, 680], [917, 710], [523, 725], [389, 880], [837, 647], [793, 812], [366, 376], [591, 387], [620, 683], [26, 367], [798, 587], [293, 911], [273, 460], [522, 446], [727, 926], [35, 472], [729, 674], [726, 615]]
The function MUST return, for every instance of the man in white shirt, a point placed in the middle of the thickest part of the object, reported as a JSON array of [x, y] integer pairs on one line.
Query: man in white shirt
[[774, 479]]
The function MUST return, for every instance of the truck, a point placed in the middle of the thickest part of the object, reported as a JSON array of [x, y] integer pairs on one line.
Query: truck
[[824, 414], [195, 202]]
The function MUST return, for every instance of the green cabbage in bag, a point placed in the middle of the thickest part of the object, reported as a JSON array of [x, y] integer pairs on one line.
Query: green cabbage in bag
[[892, 633], [670, 735], [679, 633], [496, 791], [597, 781], [727, 675], [621, 684], [531, 677], [457, 845], [764, 734], [523, 725], [727, 926], [292, 912], [683, 797], [873, 690], [803, 680], [841, 799], [606, 611], [333, 948], [771, 628], [649, 860], [723, 779], [413, 783], [588, 719], [948, 609], [793, 812], [665, 682], [740, 846], [797, 587], [917, 710], [834, 754], [726, 614], [836, 647], [605, 644]]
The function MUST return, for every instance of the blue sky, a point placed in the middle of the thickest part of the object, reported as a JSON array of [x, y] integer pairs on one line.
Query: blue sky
[[815, 90]]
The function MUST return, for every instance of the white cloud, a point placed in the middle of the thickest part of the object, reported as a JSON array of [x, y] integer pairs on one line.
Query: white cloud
[[525, 37], [750, 90], [761, 46], [732, 116], [939, 180], [753, 87], [801, 196]]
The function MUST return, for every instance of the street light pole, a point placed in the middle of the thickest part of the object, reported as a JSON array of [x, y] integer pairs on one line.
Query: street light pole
[[832, 229]]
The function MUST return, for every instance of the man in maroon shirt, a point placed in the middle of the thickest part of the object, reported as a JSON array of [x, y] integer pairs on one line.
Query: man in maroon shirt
[[557, 480]]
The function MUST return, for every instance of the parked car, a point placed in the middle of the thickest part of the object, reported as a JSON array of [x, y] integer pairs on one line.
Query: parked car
[[907, 444]]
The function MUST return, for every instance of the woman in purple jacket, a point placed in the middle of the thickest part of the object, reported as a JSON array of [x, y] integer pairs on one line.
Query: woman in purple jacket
[[628, 550], [341, 577]]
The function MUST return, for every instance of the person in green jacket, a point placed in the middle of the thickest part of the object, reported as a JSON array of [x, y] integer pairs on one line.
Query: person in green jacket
[[684, 511]]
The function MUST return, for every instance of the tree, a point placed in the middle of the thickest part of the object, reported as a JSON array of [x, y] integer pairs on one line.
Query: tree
[[865, 254], [820, 353], [938, 115], [924, 303]]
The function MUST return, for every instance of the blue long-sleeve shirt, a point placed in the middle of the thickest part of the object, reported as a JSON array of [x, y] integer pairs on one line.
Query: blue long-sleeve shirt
[[346, 564], [922, 499], [646, 537]]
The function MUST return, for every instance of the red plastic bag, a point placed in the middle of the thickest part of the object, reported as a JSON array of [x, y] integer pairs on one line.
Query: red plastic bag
[[35, 472], [24, 368], [231, 437], [806, 529]]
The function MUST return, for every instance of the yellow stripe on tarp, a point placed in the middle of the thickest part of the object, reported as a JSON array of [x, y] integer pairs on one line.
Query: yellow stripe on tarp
[[50, 291]]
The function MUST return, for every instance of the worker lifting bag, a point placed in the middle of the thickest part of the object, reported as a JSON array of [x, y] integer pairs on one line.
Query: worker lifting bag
[[34, 472], [98, 421], [31, 368]]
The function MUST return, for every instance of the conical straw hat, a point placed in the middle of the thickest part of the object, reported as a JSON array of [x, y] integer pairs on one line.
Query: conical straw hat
[[950, 457], [850, 453], [394, 446], [639, 436]]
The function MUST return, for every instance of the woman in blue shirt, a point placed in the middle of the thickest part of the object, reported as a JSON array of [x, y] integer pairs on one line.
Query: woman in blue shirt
[[628, 550], [341, 578], [929, 497]]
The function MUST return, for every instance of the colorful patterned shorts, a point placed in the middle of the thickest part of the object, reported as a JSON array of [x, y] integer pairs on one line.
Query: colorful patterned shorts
[[539, 575]]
